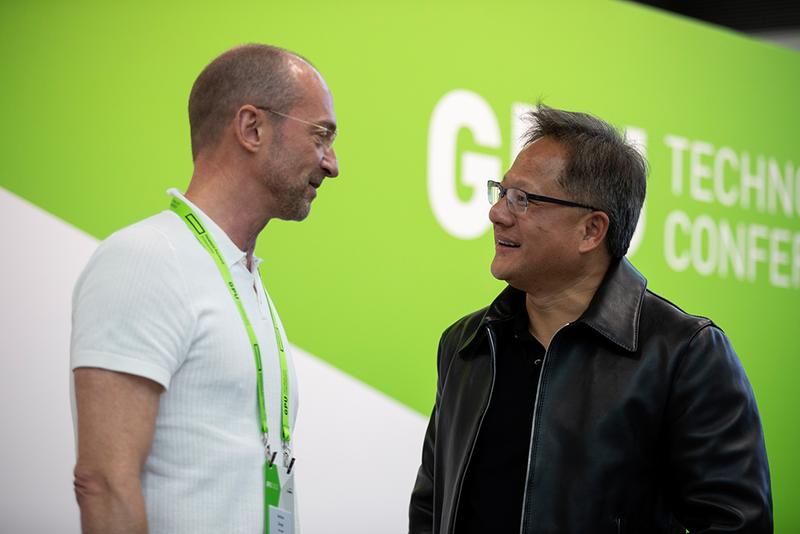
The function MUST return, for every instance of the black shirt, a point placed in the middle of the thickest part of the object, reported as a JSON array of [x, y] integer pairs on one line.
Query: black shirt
[[491, 497]]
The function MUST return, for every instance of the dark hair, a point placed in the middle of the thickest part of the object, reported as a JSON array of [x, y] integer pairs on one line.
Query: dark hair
[[249, 74], [603, 169]]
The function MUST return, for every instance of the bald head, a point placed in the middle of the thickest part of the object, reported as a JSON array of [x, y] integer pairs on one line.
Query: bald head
[[256, 74]]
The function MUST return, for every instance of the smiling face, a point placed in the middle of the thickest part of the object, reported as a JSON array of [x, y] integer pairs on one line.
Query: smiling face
[[298, 160], [541, 247]]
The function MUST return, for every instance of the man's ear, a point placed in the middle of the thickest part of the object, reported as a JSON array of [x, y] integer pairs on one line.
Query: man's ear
[[595, 229], [250, 128]]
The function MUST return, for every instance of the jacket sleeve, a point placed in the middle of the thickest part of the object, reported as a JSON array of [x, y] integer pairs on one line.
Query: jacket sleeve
[[420, 514], [718, 468]]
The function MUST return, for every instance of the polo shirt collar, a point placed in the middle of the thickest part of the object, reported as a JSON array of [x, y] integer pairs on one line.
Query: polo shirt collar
[[228, 248]]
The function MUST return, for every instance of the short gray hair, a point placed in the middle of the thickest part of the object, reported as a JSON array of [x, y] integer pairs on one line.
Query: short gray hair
[[254, 74], [603, 170]]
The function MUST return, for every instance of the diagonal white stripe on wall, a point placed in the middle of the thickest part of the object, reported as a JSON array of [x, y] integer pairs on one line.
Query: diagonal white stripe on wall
[[357, 449]]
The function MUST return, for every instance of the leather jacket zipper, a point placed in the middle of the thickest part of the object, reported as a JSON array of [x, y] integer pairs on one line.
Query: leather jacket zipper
[[525, 515], [492, 349]]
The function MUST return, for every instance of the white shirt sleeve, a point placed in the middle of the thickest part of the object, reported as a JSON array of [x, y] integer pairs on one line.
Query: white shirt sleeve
[[131, 310]]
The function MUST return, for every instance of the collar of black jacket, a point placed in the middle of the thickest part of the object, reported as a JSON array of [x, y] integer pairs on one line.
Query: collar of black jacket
[[613, 312]]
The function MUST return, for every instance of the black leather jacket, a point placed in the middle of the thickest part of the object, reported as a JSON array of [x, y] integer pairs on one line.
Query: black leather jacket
[[644, 422]]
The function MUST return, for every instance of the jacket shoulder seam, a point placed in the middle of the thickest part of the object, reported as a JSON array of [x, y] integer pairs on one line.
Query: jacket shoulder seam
[[704, 320]]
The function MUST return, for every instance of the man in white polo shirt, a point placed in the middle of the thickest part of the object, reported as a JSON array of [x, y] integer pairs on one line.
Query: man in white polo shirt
[[185, 391]]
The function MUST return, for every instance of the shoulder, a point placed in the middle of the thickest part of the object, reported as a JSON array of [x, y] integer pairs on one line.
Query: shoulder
[[457, 335], [131, 308], [153, 235], [148, 236], [661, 315], [148, 246], [461, 330], [142, 255], [693, 342]]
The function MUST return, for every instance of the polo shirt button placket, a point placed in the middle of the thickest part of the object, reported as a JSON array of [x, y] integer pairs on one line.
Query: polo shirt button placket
[[262, 308]]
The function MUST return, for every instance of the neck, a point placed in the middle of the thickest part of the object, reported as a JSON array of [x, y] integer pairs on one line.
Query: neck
[[550, 309], [225, 198]]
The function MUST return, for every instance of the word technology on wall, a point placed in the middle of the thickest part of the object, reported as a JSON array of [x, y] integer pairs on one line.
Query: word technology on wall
[[738, 184]]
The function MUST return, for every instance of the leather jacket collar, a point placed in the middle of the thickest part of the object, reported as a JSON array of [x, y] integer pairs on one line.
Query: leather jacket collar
[[613, 312]]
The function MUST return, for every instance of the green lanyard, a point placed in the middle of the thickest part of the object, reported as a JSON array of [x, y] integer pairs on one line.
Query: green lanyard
[[205, 239]]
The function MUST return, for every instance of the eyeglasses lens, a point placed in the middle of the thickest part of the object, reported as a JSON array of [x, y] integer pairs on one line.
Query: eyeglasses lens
[[517, 200], [494, 193]]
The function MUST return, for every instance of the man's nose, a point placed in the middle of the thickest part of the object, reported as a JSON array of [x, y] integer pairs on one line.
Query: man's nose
[[330, 164], [500, 214]]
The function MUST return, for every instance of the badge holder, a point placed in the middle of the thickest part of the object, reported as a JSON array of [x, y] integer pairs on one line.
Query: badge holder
[[279, 494]]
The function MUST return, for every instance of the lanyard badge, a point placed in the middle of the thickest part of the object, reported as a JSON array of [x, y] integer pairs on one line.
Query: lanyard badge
[[278, 498]]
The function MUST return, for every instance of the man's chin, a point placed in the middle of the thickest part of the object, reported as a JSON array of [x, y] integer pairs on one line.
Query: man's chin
[[297, 213], [302, 214], [498, 271]]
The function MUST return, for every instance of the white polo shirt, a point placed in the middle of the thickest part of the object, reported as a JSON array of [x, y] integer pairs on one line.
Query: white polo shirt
[[151, 302]]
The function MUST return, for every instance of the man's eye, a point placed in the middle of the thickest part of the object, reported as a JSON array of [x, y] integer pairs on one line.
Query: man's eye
[[516, 198]]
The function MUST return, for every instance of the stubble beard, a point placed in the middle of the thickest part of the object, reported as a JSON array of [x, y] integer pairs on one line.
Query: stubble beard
[[289, 198], [293, 204]]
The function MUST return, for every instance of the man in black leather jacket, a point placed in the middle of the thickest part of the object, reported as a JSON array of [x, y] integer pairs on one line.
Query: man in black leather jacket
[[579, 401]]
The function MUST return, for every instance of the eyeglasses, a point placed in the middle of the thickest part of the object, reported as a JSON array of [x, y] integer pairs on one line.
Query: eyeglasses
[[325, 135], [518, 199]]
